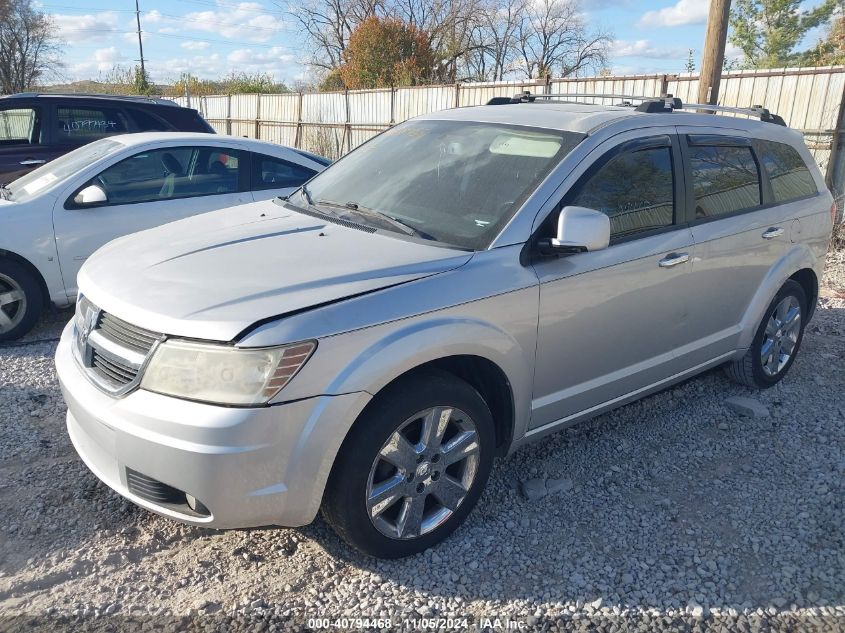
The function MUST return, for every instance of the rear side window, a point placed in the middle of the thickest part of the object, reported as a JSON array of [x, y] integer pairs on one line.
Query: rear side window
[[84, 124], [20, 126], [146, 122], [634, 189], [725, 180], [269, 172], [789, 175]]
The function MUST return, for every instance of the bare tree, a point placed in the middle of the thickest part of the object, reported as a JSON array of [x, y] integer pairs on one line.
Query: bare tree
[[28, 47], [495, 36], [328, 25], [554, 40], [471, 39]]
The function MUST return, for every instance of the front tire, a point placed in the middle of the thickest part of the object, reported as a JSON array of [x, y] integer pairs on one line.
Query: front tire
[[413, 466], [776, 342], [21, 300]]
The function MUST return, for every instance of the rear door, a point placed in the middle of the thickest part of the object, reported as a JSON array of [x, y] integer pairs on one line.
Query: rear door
[[740, 232], [150, 188], [23, 142]]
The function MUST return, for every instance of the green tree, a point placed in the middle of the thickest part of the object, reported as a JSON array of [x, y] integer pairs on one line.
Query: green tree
[[385, 53], [689, 67], [768, 31], [830, 51]]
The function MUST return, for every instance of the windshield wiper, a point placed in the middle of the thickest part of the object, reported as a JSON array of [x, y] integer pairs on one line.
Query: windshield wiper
[[307, 195], [396, 223], [5, 192]]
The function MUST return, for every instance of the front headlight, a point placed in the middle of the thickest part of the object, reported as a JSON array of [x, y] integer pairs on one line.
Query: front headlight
[[222, 374]]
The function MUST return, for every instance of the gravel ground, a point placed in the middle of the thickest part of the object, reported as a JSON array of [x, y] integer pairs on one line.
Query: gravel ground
[[671, 513]]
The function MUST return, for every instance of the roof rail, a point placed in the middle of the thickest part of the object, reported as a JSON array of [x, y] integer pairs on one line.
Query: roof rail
[[93, 95], [756, 111], [649, 104]]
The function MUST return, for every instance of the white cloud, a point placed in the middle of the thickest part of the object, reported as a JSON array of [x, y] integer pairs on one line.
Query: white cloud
[[108, 58], [247, 21], [681, 13], [272, 57], [85, 28], [644, 48], [195, 46]]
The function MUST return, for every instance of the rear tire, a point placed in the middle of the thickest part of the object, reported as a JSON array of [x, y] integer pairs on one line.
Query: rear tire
[[777, 341], [21, 300], [413, 466]]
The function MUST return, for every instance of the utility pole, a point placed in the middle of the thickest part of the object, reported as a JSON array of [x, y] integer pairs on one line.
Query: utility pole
[[713, 57], [140, 41]]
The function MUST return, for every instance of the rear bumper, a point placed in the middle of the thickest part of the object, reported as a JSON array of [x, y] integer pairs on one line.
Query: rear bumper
[[248, 467]]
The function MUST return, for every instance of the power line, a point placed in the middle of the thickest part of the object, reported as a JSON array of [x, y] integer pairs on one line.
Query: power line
[[173, 36]]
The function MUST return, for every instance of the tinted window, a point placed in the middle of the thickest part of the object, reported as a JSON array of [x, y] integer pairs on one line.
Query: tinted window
[[84, 124], [787, 171], [725, 180], [20, 126], [275, 173], [147, 122], [174, 172], [635, 189]]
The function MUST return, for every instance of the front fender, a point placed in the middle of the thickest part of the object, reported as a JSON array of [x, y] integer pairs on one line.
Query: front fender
[[500, 329]]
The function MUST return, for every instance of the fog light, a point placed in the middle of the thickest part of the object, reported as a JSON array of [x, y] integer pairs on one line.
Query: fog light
[[196, 505]]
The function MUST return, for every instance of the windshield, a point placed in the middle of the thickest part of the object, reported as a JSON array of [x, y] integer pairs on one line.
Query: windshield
[[55, 171], [449, 181]]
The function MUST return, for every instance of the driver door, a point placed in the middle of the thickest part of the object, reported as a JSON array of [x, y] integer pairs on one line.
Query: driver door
[[148, 189], [610, 320]]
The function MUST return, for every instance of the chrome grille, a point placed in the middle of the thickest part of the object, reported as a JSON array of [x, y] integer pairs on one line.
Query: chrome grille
[[111, 351], [116, 373], [132, 336]]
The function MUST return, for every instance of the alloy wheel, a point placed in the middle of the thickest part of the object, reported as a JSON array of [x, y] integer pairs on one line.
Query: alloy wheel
[[12, 304], [781, 336], [423, 472]]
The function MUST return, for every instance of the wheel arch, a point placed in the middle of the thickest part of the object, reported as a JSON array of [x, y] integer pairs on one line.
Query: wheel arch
[[808, 280], [42, 283], [799, 264]]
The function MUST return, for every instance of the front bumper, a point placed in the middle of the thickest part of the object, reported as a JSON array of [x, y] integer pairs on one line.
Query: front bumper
[[248, 467]]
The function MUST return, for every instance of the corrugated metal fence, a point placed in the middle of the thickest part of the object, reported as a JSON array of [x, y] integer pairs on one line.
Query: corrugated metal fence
[[332, 123]]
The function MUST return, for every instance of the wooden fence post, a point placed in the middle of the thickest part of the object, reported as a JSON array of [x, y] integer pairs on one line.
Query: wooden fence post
[[258, 117], [229, 114], [298, 138]]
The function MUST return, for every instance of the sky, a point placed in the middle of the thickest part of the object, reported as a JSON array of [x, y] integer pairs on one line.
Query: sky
[[210, 38]]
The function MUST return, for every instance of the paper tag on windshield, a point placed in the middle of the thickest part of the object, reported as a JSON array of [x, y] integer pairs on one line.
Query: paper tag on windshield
[[39, 183]]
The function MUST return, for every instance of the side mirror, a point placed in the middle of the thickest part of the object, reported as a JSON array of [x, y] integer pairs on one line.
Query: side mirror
[[91, 195], [579, 230]]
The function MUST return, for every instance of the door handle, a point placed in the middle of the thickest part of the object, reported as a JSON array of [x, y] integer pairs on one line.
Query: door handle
[[673, 259], [32, 161], [772, 233]]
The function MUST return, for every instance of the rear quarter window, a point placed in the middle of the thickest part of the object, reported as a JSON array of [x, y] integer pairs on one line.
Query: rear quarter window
[[147, 122], [788, 173]]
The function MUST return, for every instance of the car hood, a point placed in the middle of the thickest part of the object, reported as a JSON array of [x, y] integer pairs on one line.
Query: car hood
[[214, 275]]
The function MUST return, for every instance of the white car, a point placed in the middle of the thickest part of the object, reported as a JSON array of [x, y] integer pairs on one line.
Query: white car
[[52, 219]]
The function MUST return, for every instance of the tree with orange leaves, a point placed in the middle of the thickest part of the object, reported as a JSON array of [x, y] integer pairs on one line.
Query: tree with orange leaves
[[384, 53]]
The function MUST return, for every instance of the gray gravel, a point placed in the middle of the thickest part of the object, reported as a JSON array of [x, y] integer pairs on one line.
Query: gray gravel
[[675, 512]]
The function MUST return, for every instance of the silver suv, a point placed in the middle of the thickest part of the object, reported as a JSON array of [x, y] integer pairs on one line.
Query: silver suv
[[463, 284]]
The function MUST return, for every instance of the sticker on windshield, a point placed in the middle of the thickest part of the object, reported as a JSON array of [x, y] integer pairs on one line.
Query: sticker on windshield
[[530, 145], [39, 183]]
